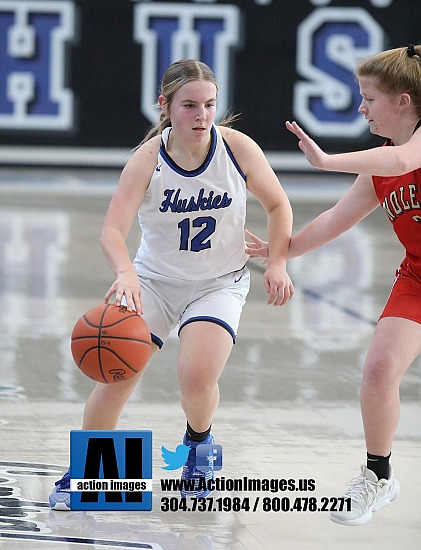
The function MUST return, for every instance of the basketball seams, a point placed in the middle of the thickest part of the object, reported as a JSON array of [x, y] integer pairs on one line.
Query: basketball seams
[[104, 349], [119, 358], [111, 338], [99, 338], [113, 324], [101, 370]]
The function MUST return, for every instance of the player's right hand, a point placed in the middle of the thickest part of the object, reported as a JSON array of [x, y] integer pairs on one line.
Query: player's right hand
[[127, 284]]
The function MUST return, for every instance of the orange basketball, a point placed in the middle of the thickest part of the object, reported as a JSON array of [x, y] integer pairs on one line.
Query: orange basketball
[[110, 343]]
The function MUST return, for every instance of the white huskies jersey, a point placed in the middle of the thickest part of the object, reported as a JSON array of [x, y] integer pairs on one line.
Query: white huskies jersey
[[192, 221]]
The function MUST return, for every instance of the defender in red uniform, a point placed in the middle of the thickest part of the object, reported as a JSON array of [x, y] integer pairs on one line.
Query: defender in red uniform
[[390, 86]]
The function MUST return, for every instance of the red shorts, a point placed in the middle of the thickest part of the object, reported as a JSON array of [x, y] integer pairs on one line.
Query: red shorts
[[404, 300]]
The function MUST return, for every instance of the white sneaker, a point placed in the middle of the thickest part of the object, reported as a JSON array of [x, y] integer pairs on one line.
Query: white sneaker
[[368, 494]]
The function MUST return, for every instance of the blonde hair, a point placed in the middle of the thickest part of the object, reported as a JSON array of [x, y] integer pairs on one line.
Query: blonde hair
[[178, 74], [397, 70]]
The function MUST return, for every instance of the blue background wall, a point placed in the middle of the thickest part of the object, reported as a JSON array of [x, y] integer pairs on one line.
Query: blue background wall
[[85, 73]]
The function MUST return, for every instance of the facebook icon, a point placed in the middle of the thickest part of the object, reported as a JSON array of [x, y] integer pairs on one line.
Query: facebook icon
[[206, 455]]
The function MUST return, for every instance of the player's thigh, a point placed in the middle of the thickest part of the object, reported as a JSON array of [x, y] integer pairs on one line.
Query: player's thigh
[[204, 350]]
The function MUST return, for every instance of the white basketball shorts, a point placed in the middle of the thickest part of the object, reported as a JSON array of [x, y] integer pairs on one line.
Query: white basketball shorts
[[168, 303]]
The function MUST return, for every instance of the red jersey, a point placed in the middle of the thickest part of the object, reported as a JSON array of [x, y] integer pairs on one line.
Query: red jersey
[[400, 196]]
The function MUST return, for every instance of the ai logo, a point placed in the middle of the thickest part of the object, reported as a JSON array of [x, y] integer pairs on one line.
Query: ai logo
[[33, 35], [169, 32], [111, 470]]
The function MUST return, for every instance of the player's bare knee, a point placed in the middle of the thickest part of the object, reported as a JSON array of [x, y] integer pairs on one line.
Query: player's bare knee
[[381, 371]]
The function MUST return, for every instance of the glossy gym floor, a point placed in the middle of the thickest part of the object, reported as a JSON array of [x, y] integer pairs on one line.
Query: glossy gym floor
[[289, 394]]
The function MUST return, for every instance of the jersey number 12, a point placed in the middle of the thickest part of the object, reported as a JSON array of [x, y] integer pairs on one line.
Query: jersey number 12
[[201, 240]]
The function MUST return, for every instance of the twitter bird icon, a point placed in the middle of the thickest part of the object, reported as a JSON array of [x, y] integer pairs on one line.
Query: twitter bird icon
[[175, 459]]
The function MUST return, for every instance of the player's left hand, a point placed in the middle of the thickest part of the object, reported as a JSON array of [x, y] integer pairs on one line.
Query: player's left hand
[[278, 285]]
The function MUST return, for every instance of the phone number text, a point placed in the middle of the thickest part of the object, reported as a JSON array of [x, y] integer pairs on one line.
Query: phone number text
[[256, 504]]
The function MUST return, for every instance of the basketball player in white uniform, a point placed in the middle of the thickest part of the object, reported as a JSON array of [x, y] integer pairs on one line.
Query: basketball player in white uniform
[[188, 183], [192, 224]]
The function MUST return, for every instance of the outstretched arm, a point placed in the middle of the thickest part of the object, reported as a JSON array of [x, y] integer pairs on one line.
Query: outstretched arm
[[355, 205], [380, 161], [359, 201]]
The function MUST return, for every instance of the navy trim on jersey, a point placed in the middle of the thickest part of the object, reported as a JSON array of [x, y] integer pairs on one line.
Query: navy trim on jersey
[[197, 171], [235, 163], [157, 340], [210, 320]]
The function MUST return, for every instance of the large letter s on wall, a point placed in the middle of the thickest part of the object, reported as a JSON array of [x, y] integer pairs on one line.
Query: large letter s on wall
[[330, 41]]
